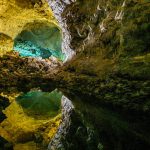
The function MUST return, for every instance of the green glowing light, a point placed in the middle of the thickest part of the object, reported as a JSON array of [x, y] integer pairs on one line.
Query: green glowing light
[[41, 103], [28, 49]]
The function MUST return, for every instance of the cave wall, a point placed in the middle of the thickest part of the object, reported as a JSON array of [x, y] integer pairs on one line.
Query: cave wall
[[17, 16], [6, 44], [58, 7], [111, 39], [35, 17]]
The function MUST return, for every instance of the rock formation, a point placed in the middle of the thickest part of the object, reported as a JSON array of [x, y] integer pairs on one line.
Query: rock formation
[[111, 39]]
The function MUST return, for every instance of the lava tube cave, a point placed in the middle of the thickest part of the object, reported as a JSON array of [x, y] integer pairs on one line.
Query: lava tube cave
[[74, 75]]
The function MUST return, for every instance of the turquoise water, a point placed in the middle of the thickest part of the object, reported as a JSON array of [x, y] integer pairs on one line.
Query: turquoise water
[[38, 103], [28, 49]]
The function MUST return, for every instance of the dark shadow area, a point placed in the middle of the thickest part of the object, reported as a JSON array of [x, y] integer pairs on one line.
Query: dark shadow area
[[106, 128], [40, 40]]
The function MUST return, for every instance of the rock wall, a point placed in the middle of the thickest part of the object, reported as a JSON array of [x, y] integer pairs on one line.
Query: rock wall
[[111, 41], [18, 16], [58, 8]]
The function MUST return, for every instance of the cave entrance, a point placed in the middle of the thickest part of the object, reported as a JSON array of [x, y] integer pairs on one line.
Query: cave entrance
[[40, 39]]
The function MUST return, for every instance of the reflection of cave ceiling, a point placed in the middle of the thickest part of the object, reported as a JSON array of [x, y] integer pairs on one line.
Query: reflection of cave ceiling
[[40, 104]]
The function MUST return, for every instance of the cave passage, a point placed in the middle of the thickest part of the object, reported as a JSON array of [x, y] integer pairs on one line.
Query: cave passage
[[38, 103], [40, 40]]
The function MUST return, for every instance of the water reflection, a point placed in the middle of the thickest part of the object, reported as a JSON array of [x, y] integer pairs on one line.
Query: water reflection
[[38, 103], [114, 129], [32, 119]]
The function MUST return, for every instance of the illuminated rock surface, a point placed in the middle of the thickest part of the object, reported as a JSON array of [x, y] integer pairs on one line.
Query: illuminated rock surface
[[6, 44], [34, 24], [39, 39], [28, 49]]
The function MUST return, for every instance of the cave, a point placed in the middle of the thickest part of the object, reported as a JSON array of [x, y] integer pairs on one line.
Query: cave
[[74, 75], [41, 40]]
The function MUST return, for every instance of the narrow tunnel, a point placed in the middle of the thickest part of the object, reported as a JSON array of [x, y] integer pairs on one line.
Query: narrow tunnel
[[40, 40]]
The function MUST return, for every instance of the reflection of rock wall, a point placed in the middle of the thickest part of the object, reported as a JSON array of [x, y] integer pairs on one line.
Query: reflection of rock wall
[[18, 15], [113, 55], [4, 102], [25, 131], [67, 113]]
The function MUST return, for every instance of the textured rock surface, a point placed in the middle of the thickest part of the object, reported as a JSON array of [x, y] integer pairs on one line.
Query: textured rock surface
[[4, 102], [113, 59], [6, 44], [28, 20], [111, 39], [67, 112], [27, 73], [58, 8], [16, 15]]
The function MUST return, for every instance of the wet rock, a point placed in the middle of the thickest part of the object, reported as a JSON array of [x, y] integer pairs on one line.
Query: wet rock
[[112, 62], [112, 66]]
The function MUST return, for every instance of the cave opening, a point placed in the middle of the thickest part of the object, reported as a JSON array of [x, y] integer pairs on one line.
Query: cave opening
[[40, 40]]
